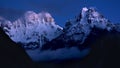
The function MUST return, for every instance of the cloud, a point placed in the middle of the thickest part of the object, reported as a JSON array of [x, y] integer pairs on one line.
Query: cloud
[[11, 14], [59, 54]]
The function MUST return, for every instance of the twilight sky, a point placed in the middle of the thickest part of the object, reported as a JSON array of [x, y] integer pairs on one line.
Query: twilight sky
[[61, 10]]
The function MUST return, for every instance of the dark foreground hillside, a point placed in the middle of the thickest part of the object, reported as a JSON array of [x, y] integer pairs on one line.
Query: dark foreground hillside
[[11, 54], [105, 53]]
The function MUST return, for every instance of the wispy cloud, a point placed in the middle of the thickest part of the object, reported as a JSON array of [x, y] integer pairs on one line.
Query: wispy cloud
[[10, 14]]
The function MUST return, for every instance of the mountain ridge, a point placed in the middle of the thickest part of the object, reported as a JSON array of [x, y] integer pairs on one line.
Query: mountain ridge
[[76, 31], [31, 27], [39, 33]]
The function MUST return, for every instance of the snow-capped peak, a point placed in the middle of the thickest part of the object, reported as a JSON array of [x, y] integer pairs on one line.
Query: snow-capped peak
[[31, 16], [32, 29], [93, 18], [45, 17], [84, 10], [79, 28]]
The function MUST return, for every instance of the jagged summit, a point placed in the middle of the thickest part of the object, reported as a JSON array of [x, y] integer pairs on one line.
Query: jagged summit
[[84, 10], [78, 29], [93, 18], [46, 17], [31, 16], [43, 17]]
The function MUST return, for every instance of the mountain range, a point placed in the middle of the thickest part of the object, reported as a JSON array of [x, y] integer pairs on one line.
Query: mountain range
[[44, 40]]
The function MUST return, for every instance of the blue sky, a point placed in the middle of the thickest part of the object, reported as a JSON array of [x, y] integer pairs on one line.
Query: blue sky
[[61, 10]]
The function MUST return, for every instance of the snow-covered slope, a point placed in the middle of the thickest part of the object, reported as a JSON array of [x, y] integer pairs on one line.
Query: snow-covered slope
[[52, 42], [77, 37], [32, 30], [79, 28]]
